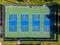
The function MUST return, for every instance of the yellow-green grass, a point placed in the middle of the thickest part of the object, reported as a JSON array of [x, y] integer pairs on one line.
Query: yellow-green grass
[[31, 2]]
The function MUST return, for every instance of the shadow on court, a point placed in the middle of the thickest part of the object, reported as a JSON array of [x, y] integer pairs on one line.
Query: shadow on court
[[53, 20]]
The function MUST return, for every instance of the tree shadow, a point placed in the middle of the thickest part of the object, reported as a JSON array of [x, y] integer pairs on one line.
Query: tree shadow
[[59, 18], [53, 16]]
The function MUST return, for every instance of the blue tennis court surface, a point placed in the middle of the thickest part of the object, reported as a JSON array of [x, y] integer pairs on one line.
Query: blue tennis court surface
[[36, 22], [12, 23], [24, 22], [46, 24]]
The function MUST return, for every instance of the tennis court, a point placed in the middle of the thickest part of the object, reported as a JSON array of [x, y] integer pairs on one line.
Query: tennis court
[[27, 22]]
